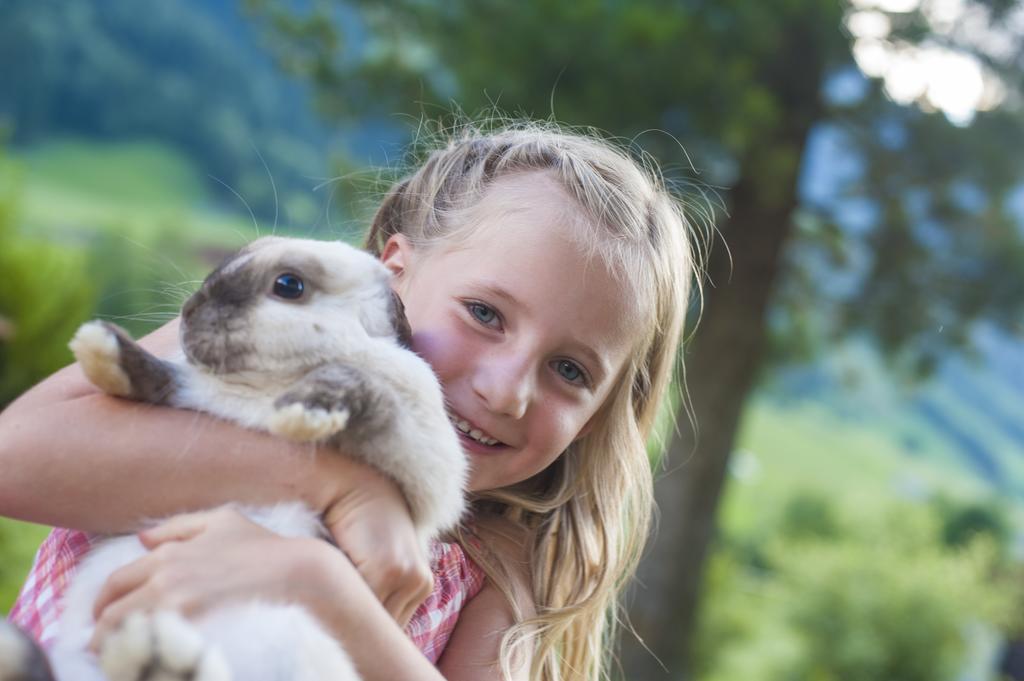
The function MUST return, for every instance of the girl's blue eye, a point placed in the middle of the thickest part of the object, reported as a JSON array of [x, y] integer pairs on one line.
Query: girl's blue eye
[[482, 313], [569, 371]]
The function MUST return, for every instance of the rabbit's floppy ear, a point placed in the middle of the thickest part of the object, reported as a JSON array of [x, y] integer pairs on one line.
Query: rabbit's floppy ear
[[400, 322]]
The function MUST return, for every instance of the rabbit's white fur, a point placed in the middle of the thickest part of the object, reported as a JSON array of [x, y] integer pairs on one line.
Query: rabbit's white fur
[[327, 367]]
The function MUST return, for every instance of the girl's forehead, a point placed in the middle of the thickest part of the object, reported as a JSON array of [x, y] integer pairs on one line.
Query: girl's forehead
[[535, 195]]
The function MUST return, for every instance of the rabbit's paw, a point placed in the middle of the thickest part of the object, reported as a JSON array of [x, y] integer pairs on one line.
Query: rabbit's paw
[[305, 423], [160, 646], [20, 658], [98, 352]]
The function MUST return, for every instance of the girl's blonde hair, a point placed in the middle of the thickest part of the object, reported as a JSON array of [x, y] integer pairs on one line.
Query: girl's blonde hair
[[589, 513]]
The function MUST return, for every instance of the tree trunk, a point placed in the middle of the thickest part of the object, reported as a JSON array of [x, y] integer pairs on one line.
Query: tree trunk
[[722, 363]]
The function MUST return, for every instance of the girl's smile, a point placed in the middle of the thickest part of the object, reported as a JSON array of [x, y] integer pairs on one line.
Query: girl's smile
[[470, 432], [527, 334]]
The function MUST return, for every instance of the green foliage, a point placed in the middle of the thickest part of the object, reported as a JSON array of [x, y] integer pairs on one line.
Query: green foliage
[[963, 523], [47, 293], [809, 515], [886, 598], [18, 544], [882, 609]]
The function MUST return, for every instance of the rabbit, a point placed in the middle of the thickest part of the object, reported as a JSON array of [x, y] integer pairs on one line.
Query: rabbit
[[304, 339]]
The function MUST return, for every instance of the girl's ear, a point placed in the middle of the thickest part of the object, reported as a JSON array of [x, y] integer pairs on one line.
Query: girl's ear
[[396, 254]]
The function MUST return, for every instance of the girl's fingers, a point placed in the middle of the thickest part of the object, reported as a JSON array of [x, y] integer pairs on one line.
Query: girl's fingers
[[115, 613], [179, 528], [404, 611], [399, 609], [416, 598], [404, 593], [122, 582]]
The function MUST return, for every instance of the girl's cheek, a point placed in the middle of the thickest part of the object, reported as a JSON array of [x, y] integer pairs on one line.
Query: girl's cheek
[[446, 350], [569, 426]]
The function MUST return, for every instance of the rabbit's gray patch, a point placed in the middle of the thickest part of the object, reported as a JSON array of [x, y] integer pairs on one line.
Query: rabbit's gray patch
[[214, 319], [152, 380], [403, 332], [218, 351], [337, 387]]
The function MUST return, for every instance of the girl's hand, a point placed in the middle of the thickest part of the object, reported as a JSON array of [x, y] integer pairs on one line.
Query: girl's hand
[[199, 560], [370, 521]]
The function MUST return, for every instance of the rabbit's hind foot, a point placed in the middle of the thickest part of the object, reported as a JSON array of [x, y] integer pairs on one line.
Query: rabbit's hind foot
[[160, 646]]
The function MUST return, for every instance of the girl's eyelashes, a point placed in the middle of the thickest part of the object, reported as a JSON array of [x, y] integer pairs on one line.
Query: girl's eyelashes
[[485, 314], [571, 372]]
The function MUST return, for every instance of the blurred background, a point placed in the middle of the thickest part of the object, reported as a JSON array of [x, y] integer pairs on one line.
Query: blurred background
[[851, 505]]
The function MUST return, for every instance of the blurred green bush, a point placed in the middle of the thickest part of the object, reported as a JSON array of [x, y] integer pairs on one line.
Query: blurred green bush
[[18, 544], [46, 294], [851, 595]]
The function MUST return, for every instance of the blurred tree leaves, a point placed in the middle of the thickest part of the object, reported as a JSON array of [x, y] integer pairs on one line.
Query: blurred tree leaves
[[879, 596], [884, 609]]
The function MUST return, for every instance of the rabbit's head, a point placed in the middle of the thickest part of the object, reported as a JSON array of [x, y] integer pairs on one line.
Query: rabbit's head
[[285, 305]]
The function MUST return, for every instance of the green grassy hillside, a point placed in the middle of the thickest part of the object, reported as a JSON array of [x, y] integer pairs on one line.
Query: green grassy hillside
[[77, 190], [846, 428]]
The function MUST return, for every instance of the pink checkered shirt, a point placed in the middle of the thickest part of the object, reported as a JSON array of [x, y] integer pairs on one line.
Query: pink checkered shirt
[[456, 580]]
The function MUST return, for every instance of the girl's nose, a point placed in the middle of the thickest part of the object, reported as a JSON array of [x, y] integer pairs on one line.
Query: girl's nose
[[505, 384]]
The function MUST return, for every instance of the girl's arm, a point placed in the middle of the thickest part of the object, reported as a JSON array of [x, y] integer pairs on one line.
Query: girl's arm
[[473, 650], [75, 457]]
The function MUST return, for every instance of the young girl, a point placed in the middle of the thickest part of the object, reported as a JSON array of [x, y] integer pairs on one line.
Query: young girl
[[546, 277]]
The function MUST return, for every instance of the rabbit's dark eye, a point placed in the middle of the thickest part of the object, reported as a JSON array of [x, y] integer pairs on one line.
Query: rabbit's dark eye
[[288, 286]]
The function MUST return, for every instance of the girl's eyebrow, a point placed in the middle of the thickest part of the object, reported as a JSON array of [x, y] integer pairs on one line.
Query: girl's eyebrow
[[499, 292], [594, 359]]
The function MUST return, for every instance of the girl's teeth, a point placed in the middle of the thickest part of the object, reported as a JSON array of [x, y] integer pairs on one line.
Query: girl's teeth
[[474, 433]]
